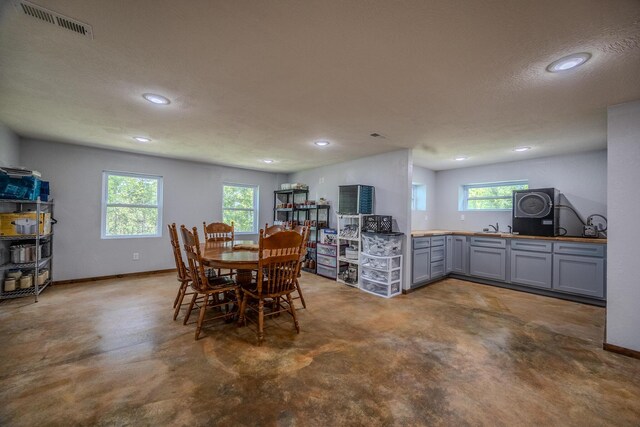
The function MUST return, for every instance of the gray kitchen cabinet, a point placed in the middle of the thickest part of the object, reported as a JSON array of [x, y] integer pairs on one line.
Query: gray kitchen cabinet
[[531, 268], [460, 253], [421, 265], [449, 260], [577, 274], [438, 253], [488, 263], [437, 269]]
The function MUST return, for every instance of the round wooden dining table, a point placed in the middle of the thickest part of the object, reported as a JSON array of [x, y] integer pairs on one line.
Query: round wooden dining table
[[239, 255]]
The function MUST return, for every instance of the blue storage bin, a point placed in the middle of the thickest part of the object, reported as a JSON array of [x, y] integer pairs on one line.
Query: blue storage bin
[[22, 188]]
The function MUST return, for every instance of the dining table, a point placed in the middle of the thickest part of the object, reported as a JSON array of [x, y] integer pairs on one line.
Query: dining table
[[239, 255]]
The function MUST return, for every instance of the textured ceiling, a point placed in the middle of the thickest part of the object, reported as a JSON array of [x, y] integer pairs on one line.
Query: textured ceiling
[[263, 79]]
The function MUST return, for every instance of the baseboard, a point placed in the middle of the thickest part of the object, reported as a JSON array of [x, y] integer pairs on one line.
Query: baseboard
[[114, 276], [621, 350]]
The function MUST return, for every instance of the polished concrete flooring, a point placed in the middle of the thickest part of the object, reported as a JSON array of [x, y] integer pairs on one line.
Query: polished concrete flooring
[[455, 353]]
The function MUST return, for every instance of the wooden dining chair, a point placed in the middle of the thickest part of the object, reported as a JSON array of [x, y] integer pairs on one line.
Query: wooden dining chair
[[183, 274], [216, 292], [304, 232], [220, 232], [268, 231], [278, 259]]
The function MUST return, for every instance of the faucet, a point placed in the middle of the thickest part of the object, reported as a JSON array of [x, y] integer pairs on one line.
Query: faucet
[[510, 229], [495, 227]]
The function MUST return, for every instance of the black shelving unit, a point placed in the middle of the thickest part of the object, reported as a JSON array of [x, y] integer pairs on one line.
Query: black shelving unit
[[290, 206]]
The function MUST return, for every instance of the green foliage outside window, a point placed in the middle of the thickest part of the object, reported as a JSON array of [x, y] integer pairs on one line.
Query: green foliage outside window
[[132, 206], [491, 197], [238, 206]]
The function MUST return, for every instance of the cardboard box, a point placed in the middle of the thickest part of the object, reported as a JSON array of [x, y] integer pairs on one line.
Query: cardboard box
[[24, 223]]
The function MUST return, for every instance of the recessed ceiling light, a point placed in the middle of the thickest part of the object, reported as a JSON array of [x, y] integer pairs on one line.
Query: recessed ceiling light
[[568, 62], [322, 143], [142, 139], [268, 161], [460, 158], [522, 149], [156, 99]]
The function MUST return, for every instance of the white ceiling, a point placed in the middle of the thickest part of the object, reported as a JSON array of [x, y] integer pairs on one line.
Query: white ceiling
[[263, 79]]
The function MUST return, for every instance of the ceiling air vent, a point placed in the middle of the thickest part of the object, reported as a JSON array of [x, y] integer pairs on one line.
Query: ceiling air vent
[[46, 15]]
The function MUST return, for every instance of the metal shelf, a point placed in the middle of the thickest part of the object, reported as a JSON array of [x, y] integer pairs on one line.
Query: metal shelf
[[350, 261], [25, 202], [18, 293], [9, 265], [26, 237]]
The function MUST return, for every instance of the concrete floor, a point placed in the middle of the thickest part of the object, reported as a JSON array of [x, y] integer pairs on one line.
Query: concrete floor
[[455, 353]]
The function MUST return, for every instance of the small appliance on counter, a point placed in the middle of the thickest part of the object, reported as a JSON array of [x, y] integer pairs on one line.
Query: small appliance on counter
[[535, 212]]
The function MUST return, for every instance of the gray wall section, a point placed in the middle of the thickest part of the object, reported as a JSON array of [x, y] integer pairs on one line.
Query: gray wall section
[[388, 173], [9, 147], [424, 219], [582, 178], [623, 285], [192, 194]]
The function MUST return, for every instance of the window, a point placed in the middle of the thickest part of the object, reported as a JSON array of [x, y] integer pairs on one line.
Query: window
[[418, 197], [131, 205], [492, 196], [240, 205]]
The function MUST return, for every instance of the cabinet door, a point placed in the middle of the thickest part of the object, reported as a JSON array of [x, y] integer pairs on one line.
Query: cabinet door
[[421, 265], [578, 275], [489, 263], [531, 268], [459, 264], [449, 260]]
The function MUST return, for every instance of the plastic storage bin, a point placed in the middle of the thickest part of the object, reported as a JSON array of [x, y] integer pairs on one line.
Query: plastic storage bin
[[22, 188], [377, 223], [328, 250], [380, 263], [378, 244], [378, 289], [327, 261], [329, 272], [380, 276]]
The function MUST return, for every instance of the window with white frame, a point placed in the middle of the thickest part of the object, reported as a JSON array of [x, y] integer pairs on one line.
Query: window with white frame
[[131, 205], [418, 197], [240, 205], [491, 196]]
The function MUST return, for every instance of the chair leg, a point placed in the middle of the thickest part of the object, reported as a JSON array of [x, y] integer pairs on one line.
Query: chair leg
[[243, 306], [292, 309], [304, 304], [260, 321], [203, 309], [178, 305], [193, 301], [175, 302]]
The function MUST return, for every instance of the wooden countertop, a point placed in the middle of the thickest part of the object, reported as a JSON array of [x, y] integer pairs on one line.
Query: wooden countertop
[[428, 233]]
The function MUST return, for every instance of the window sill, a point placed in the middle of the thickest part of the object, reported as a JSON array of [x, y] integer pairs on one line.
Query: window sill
[[130, 237]]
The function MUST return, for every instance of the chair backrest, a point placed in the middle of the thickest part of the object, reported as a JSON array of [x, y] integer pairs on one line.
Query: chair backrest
[[268, 231], [304, 231], [191, 244], [177, 253], [278, 262], [219, 231]]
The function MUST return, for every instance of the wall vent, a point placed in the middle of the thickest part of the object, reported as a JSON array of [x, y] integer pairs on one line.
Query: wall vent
[[51, 17]]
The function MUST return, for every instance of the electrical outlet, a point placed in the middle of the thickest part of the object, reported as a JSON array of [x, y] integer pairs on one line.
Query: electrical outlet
[[462, 217], [321, 180], [426, 217], [136, 256]]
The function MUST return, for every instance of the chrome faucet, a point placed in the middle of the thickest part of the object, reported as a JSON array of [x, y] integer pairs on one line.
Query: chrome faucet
[[495, 227]]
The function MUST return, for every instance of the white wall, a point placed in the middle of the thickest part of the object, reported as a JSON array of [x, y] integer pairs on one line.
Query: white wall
[[9, 147], [623, 280], [424, 219], [582, 178], [388, 173], [192, 194]]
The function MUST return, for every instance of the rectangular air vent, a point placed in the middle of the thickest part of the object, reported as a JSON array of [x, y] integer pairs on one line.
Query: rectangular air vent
[[46, 15]]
